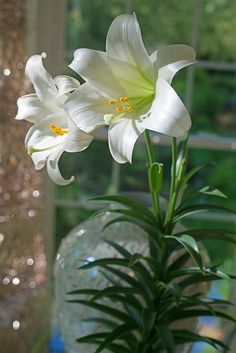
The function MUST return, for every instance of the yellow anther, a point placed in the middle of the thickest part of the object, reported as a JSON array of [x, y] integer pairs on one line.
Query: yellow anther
[[58, 130], [123, 99], [119, 108], [111, 102], [129, 109]]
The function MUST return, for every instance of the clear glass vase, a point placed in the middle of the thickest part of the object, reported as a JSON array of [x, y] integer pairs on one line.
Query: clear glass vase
[[86, 243]]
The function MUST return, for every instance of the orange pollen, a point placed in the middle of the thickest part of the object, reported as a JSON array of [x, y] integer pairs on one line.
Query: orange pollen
[[58, 130], [124, 99], [119, 108]]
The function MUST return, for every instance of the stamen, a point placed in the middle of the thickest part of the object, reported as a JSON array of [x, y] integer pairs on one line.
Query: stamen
[[58, 130], [111, 102], [119, 108], [123, 99], [129, 109]]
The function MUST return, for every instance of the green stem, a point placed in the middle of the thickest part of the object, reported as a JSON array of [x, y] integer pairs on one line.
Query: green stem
[[155, 195], [173, 195]]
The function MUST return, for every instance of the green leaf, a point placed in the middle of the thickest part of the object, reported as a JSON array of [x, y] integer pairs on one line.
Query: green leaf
[[118, 348], [123, 200], [180, 261], [135, 216], [203, 234], [120, 315], [207, 190], [125, 253], [155, 175], [141, 272], [148, 320], [93, 338], [190, 245], [187, 336], [116, 334], [123, 276], [194, 171], [149, 229], [176, 315], [151, 261], [189, 210], [166, 338], [115, 290]]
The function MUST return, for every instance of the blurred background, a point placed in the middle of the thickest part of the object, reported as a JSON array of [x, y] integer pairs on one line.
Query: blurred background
[[34, 214]]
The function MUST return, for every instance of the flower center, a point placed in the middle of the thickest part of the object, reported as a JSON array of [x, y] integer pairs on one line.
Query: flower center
[[58, 130], [124, 105], [121, 106]]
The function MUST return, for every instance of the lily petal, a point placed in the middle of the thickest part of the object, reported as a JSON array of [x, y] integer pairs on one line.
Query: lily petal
[[131, 80], [122, 136], [41, 137], [124, 42], [30, 108], [39, 158], [168, 114], [66, 84], [170, 59], [87, 107], [53, 169], [93, 66], [76, 140], [42, 81]]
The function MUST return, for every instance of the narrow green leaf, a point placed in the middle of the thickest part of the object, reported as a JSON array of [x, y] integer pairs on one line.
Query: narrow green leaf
[[149, 229], [123, 200], [176, 315], [194, 171], [116, 334], [189, 210], [120, 315], [121, 250], [93, 338], [148, 320], [207, 190], [123, 276], [180, 261], [187, 336], [190, 245], [202, 234], [135, 215], [166, 338], [115, 290]]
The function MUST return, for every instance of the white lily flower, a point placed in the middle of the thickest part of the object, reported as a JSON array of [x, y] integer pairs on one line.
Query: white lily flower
[[129, 90], [53, 131]]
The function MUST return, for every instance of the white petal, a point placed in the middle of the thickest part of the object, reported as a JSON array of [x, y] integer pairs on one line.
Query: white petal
[[42, 81], [124, 42], [53, 169], [168, 114], [40, 136], [76, 140], [170, 59], [132, 81], [93, 66], [87, 107], [122, 136], [39, 158], [66, 84], [31, 108]]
